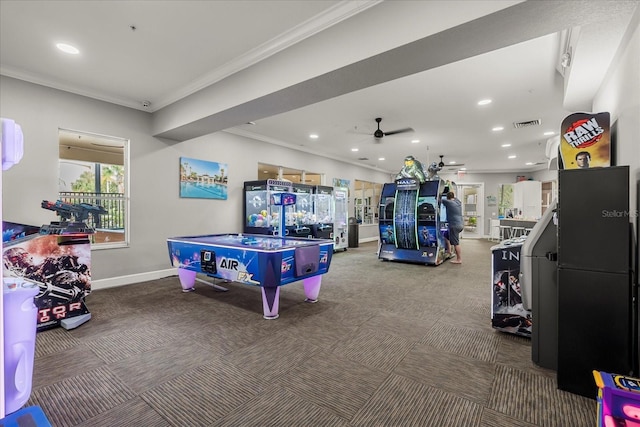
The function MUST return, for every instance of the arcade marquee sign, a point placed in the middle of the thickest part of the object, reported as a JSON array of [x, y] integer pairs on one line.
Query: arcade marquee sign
[[585, 141]]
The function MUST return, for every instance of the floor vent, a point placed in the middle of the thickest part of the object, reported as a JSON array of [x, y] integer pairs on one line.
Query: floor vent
[[519, 125]]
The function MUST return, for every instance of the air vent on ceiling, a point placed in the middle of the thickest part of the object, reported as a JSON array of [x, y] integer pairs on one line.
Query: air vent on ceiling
[[363, 158], [519, 125]]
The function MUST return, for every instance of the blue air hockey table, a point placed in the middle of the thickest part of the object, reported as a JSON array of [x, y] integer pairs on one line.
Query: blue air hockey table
[[265, 261]]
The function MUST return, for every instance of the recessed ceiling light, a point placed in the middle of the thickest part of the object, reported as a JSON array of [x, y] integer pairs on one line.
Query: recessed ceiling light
[[497, 128], [513, 156], [381, 158], [67, 48], [549, 133], [505, 145], [452, 162], [415, 141], [463, 169], [484, 102], [529, 163], [354, 149], [313, 136]]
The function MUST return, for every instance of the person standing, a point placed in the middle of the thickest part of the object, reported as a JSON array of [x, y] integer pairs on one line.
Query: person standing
[[456, 223]]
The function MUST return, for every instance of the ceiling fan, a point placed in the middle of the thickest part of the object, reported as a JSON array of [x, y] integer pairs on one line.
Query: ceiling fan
[[453, 165], [379, 134]]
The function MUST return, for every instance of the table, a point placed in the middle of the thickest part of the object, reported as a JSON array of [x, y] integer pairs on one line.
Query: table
[[259, 260]]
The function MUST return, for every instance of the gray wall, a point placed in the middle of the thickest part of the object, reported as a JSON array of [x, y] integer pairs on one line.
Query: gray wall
[[157, 212]]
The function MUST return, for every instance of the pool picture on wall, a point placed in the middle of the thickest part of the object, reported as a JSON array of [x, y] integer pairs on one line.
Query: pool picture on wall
[[201, 179]]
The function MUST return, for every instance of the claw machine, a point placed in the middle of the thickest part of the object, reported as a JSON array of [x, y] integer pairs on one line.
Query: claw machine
[[301, 221], [260, 216], [340, 219], [323, 211]]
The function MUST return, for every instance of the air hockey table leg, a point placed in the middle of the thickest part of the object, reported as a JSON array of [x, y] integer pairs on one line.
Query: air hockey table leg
[[270, 302], [312, 287], [187, 279]]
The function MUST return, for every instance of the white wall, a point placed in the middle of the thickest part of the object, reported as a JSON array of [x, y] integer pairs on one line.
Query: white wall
[[157, 211], [620, 95]]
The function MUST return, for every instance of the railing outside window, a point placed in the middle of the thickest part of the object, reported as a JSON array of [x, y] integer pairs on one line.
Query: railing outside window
[[110, 227]]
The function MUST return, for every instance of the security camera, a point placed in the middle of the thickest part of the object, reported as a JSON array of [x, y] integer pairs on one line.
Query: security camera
[[146, 104]]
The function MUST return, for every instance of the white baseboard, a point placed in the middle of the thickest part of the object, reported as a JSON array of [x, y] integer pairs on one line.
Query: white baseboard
[[132, 278], [368, 239]]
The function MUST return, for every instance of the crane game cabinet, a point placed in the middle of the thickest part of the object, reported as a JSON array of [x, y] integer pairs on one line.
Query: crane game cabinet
[[412, 221]]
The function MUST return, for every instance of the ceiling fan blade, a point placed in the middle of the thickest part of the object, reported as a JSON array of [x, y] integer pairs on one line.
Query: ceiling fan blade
[[393, 132]]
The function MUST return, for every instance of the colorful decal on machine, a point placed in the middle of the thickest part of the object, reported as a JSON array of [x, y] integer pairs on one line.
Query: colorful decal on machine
[[60, 266], [585, 141]]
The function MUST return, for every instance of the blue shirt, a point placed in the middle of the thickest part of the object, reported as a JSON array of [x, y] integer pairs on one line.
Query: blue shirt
[[454, 212]]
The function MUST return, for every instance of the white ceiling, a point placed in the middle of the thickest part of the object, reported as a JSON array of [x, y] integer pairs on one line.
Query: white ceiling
[[163, 52]]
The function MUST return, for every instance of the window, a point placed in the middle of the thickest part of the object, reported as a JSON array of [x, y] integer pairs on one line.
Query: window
[[366, 198], [505, 200], [266, 171], [93, 171]]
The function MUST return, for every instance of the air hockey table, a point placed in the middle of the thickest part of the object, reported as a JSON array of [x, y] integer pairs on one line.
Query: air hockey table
[[259, 260]]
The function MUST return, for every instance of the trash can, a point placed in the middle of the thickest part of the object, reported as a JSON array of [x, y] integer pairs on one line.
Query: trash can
[[353, 232]]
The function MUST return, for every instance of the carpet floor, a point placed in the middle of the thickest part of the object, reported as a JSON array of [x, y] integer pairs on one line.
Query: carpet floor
[[387, 344]]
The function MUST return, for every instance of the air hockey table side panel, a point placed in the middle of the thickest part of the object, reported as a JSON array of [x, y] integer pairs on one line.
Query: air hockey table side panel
[[242, 263]]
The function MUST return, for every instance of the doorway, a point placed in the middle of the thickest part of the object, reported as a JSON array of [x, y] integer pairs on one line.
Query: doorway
[[472, 197]]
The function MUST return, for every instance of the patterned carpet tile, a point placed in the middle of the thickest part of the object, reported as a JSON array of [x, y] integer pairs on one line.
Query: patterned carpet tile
[[203, 395], [412, 329], [515, 351], [403, 402], [66, 363], [143, 371], [536, 399], [76, 399], [374, 349], [336, 384], [132, 413], [482, 345], [272, 356], [54, 340], [491, 418], [277, 407], [476, 320], [463, 376], [321, 331], [124, 343]]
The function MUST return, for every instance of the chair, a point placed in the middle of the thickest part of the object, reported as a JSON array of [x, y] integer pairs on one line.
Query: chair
[[494, 234], [516, 232], [505, 232]]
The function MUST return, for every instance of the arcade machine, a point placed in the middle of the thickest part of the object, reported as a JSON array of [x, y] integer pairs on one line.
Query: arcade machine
[[58, 260], [409, 222], [301, 221], [618, 400], [323, 211], [341, 224], [539, 283], [507, 311], [260, 216]]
